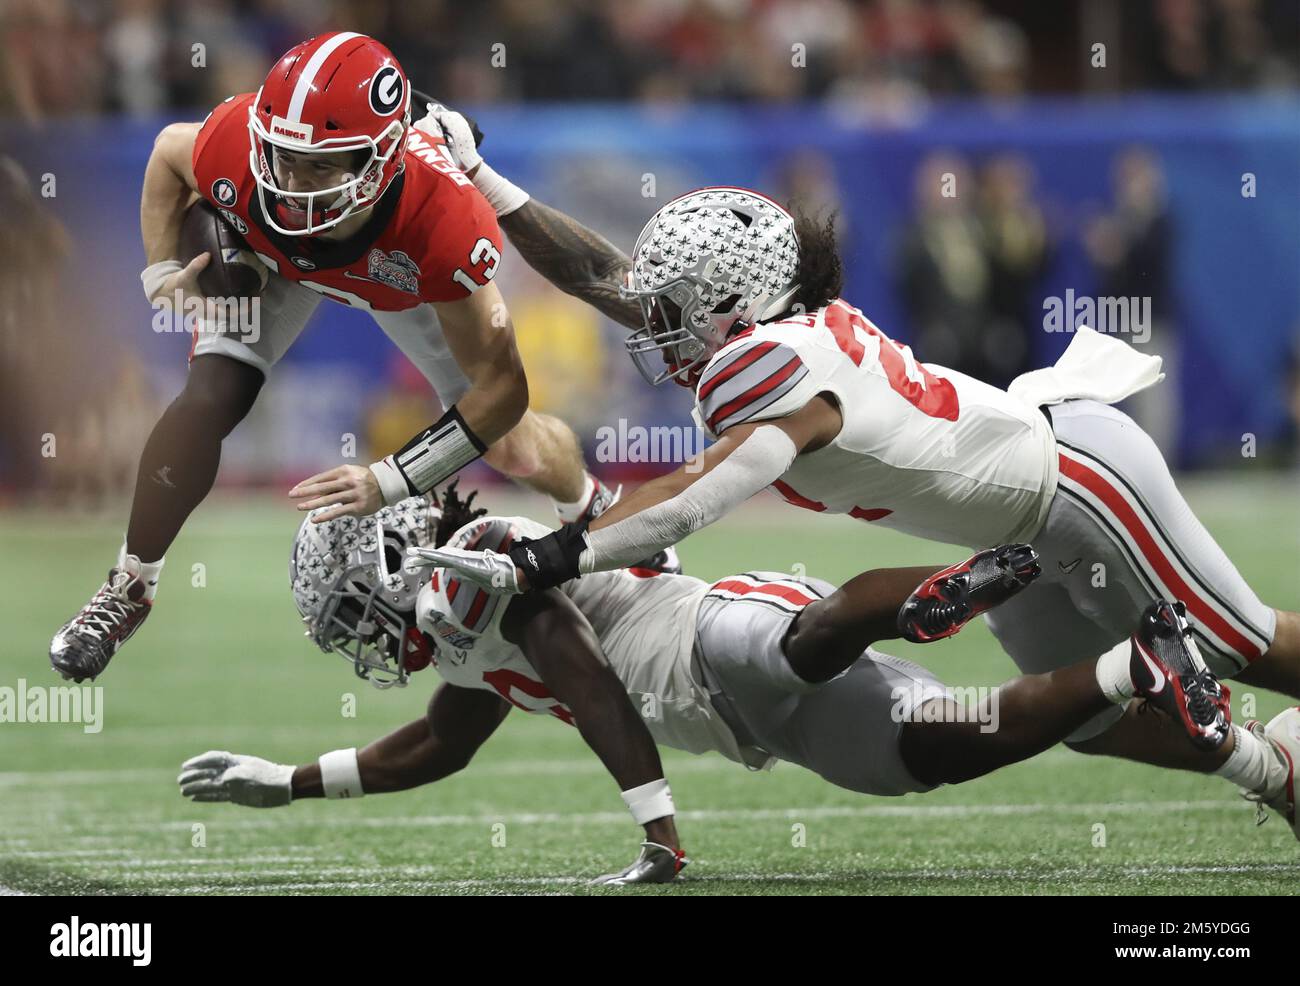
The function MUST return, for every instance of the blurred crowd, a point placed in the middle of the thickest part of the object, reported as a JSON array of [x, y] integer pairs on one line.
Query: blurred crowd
[[971, 265], [62, 57], [76, 432]]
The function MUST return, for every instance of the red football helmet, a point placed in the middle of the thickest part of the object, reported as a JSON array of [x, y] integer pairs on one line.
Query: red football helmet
[[336, 92]]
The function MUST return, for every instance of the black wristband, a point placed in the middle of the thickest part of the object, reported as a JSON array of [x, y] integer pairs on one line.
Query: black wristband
[[551, 560]]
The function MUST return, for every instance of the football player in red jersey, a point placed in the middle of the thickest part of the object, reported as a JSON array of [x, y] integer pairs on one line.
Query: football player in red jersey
[[323, 175]]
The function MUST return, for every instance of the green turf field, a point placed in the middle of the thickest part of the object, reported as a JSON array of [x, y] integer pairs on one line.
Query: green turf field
[[224, 666]]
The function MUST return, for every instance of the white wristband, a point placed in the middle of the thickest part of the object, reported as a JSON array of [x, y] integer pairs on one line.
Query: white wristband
[[502, 194], [649, 801], [340, 774], [152, 277], [389, 478]]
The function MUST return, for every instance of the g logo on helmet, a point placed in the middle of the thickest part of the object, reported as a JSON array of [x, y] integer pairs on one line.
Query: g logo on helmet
[[386, 91]]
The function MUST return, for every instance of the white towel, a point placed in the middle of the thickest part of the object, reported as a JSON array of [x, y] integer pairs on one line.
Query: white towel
[[1093, 367]]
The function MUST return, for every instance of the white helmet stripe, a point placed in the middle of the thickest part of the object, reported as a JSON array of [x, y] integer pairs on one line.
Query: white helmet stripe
[[308, 77]]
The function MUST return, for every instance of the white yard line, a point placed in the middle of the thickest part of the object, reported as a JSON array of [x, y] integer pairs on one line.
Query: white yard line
[[488, 768], [916, 811], [752, 814], [502, 768], [386, 879], [134, 857]]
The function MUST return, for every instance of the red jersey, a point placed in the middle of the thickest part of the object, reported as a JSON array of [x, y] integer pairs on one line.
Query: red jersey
[[431, 237]]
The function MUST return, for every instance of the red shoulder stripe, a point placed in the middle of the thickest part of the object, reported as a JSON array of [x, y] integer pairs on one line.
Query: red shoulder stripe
[[756, 353], [754, 393]]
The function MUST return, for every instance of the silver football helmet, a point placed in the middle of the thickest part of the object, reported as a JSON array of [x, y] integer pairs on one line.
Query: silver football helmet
[[705, 263], [356, 594]]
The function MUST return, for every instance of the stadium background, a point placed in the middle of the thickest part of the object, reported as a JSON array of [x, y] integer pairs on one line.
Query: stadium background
[[1122, 180]]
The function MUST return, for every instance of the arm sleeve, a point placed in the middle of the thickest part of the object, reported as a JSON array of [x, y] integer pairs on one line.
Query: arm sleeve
[[760, 460]]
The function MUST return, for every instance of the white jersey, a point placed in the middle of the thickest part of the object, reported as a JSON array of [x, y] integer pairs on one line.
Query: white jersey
[[645, 622], [923, 449]]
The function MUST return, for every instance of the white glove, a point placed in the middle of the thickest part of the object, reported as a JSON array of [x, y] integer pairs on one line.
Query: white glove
[[503, 195], [251, 781], [490, 570], [455, 130]]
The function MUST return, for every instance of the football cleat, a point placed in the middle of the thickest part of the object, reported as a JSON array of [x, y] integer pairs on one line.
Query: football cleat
[[656, 864], [948, 600], [85, 644], [601, 499], [665, 562], [1167, 670], [1283, 735]]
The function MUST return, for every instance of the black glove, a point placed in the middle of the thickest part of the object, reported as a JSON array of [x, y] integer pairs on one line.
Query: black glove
[[552, 560]]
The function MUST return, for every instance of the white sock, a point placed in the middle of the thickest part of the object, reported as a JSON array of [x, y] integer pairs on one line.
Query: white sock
[[1253, 764], [147, 571], [1113, 675], [570, 512]]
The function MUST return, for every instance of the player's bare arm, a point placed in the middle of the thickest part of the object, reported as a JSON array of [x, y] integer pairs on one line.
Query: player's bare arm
[[576, 259], [481, 336], [560, 644], [458, 722], [169, 188]]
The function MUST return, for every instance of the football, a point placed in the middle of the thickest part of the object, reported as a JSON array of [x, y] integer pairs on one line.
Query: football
[[234, 270]]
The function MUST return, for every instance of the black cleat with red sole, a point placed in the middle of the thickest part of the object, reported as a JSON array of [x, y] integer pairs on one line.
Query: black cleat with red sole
[[1167, 670], [948, 600], [86, 643]]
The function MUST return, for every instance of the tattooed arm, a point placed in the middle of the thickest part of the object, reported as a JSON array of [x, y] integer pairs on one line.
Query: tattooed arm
[[577, 260]]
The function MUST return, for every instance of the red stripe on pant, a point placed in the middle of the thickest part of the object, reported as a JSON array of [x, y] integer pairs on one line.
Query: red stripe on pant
[[1099, 487], [784, 591]]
